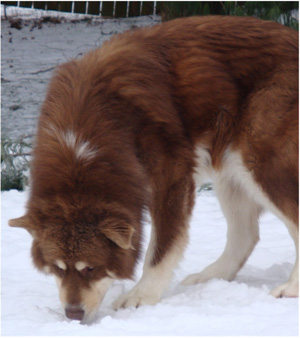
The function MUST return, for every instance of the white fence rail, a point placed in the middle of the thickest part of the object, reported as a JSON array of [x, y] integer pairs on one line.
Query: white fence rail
[[112, 8]]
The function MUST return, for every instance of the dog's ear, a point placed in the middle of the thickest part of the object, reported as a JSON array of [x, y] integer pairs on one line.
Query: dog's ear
[[23, 222], [120, 233]]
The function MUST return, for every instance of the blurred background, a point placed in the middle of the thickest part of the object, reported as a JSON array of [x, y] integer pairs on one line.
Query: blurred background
[[268, 10]]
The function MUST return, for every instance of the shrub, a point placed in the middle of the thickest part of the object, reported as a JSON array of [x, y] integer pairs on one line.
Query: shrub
[[280, 11], [14, 163]]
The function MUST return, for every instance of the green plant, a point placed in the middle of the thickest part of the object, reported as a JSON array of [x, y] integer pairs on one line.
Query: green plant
[[14, 163], [281, 11]]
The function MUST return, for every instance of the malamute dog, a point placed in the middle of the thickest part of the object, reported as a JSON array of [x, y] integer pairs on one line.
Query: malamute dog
[[135, 125]]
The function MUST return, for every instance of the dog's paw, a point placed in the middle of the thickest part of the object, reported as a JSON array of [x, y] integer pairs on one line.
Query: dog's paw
[[286, 290], [195, 279], [216, 270], [135, 298]]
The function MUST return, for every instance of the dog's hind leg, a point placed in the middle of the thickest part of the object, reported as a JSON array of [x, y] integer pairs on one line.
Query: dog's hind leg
[[170, 211], [242, 215], [291, 287]]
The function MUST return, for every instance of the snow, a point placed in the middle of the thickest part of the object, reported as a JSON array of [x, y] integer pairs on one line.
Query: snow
[[30, 55], [30, 304]]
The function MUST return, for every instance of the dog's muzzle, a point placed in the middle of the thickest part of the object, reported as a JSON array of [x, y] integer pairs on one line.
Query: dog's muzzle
[[74, 312]]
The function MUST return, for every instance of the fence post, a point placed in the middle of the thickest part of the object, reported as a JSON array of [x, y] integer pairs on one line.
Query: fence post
[[87, 5], [114, 10], [141, 7], [100, 9]]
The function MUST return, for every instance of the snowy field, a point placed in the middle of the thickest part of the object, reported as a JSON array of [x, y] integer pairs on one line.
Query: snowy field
[[30, 304]]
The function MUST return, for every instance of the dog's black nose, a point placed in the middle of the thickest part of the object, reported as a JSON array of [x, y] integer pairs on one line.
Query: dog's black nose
[[74, 312]]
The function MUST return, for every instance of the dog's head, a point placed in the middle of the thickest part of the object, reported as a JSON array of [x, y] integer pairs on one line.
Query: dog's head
[[85, 253]]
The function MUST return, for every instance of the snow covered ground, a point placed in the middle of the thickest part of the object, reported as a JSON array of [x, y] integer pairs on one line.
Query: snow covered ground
[[29, 56], [30, 304]]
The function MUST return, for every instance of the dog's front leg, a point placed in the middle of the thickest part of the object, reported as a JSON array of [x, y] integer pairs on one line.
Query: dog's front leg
[[170, 211]]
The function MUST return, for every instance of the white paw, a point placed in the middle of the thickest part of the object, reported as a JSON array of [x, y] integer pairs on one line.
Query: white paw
[[135, 298], [195, 279], [286, 290]]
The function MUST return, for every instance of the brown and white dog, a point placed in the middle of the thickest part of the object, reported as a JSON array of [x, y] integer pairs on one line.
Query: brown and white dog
[[136, 125]]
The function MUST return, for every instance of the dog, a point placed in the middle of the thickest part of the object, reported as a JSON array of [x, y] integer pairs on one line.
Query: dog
[[135, 125]]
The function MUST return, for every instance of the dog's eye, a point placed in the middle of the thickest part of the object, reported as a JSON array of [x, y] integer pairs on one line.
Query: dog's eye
[[58, 270], [60, 267], [87, 271]]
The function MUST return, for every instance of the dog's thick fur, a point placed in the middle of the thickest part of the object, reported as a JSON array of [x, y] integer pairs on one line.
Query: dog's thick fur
[[134, 124]]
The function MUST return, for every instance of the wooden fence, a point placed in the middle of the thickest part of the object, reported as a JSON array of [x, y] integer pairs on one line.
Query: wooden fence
[[99, 8]]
